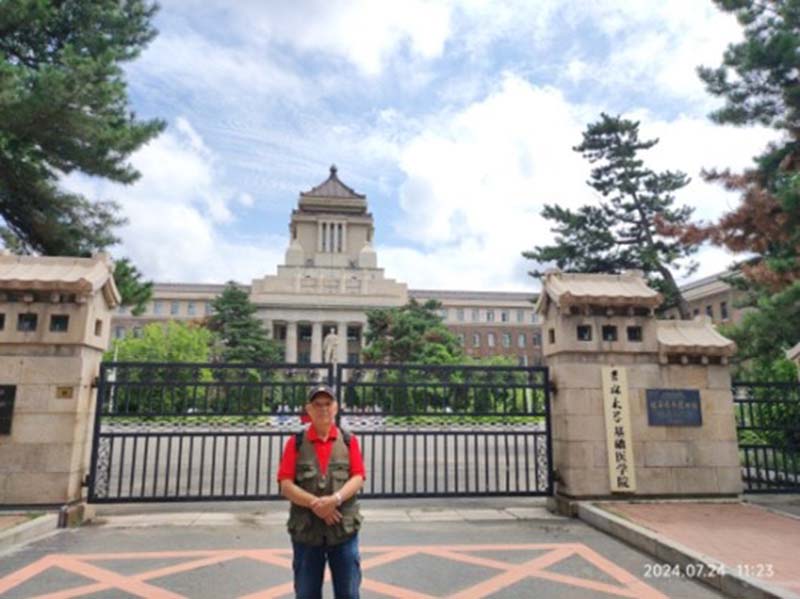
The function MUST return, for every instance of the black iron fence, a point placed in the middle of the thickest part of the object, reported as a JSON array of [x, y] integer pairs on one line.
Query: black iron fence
[[768, 426], [195, 432], [449, 430], [200, 432]]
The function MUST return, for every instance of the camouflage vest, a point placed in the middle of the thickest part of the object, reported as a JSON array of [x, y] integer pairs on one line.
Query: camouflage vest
[[304, 526]]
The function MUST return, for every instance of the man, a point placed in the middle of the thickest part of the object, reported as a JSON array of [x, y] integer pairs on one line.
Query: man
[[321, 472]]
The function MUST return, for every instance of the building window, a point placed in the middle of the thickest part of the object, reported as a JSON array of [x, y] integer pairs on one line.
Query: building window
[[208, 308], [609, 332], [584, 332], [460, 314], [461, 339], [534, 318], [520, 315], [551, 335], [158, 307], [304, 357], [304, 332], [490, 339], [174, 308], [59, 323], [476, 315], [191, 309], [137, 331], [98, 327], [489, 315], [710, 311], [443, 313], [521, 341], [27, 322], [119, 332], [353, 333], [506, 339], [523, 360], [352, 358], [2, 321], [696, 312], [537, 339], [635, 333], [504, 316], [723, 310], [476, 339]]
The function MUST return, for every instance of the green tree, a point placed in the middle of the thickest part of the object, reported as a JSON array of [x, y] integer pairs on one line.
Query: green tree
[[133, 290], [64, 109], [412, 334], [621, 231], [168, 342], [242, 335], [759, 84]]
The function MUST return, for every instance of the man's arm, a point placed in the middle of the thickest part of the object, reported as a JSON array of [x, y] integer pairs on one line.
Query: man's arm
[[296, 494]]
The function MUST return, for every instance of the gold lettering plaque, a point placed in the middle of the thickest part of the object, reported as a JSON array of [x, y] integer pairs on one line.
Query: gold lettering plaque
[[64, 392]]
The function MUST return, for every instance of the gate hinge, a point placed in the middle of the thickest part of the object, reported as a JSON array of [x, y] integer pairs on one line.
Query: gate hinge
[[85, 482]]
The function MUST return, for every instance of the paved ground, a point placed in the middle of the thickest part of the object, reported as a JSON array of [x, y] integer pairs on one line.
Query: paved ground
[[465, 551], [779, 502], [752, 541]]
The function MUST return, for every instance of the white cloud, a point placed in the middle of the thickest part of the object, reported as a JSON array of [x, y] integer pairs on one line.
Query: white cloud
[[176, 213], [477, 179]]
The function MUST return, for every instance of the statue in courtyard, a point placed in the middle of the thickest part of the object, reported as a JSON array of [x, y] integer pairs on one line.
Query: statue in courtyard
[[330, 346]]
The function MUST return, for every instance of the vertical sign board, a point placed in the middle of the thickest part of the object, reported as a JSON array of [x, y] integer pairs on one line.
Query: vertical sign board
[[619, 440], [7, 394]]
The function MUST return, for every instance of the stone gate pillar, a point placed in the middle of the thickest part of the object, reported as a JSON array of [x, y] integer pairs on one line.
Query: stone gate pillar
[[55, 321], [641, 407]]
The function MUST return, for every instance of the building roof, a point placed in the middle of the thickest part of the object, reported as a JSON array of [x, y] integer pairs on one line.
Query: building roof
[[83, 276], [332, 187], [489, 296], [696, 336], [794, 352], [628, 288]]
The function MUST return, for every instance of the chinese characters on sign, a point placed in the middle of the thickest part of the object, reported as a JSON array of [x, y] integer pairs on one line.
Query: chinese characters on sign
[[618, 430], [674, 407]]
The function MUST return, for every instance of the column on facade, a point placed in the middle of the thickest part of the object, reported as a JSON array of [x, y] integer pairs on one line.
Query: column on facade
[[316, 342], [291, 342], [319, 236], [344, 237], [341, 348], [269, 328], [334, 237]]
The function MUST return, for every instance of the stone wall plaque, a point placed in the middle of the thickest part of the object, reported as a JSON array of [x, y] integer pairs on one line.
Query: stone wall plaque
[[619, 440], [7, 395], [64, 392], [674, 407]]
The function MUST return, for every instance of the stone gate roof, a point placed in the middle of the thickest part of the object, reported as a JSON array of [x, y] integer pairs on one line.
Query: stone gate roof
[[626, 289], [696, 336], [83, 276]]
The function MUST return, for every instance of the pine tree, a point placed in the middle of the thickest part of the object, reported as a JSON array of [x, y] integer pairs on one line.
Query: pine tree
[[243, 336], [64, 109], [621, 231], [134, 291], [760, 84]]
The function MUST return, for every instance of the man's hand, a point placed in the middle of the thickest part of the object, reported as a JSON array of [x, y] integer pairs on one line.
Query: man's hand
[[324, 506], [334, 517]]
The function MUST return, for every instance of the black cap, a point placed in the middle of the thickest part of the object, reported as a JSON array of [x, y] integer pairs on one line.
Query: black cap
[[317, 389]]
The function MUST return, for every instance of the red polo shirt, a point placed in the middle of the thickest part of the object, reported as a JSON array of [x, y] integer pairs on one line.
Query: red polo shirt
[[323, 448]]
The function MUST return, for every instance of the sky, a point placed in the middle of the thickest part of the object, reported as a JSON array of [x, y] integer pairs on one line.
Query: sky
[[456, 118]]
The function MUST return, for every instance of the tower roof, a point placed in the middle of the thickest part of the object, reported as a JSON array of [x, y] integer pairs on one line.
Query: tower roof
[[332, 187]]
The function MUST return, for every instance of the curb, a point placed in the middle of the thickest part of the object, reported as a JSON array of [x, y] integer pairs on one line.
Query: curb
[[24, 533], [667, 550]]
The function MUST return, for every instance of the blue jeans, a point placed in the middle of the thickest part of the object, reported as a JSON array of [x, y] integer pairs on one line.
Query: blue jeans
[[309, 568]]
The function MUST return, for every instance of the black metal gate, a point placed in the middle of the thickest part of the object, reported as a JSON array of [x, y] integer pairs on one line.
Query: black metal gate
[[768, 427], [202, 432]]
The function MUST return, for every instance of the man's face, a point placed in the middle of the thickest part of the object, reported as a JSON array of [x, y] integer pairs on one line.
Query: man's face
[[322, 410]]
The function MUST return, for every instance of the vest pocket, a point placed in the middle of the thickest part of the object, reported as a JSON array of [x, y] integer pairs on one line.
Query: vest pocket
[[351, 522], [299, 521]]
